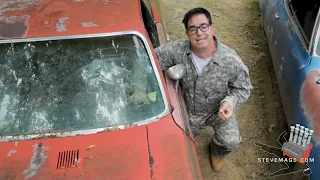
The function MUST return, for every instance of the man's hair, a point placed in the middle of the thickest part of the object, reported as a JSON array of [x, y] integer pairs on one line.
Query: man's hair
[[194, 12]]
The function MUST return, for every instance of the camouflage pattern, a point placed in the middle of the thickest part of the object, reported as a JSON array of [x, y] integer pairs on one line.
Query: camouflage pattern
[[225, 78]]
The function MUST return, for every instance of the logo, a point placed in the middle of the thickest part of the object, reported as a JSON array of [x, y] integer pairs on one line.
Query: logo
[[296, 149], [299, 145]]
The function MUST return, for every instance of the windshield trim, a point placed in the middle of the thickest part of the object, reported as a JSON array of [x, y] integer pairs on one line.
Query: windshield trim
[[64, 133], [316, 36]]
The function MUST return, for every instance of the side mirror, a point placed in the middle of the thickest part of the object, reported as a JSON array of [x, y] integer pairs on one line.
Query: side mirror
[[177, 72]]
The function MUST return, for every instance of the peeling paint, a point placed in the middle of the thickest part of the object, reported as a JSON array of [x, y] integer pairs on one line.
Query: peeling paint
[[151, 159], [293, 52], [46, 22], [151, 162], [17, 5], [37, 160], [66, 133], [60, 26], [13, 26], [90, 24], [11, 152], [77, 0], [286, 24], [119, 127]]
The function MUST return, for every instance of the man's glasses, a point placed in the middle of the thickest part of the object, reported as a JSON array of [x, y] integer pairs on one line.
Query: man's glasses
[[194, 29]]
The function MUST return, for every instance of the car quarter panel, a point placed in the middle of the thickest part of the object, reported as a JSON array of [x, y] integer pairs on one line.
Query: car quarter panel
[[172, 152], [297, 72], [290, 56]]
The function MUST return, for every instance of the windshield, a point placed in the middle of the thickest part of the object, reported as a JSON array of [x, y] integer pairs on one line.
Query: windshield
[[75, 84]]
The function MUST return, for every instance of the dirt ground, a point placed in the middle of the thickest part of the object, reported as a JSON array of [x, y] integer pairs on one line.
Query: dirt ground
[[237, 24]]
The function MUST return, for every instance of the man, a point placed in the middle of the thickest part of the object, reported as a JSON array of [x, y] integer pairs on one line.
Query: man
[[216, 82]]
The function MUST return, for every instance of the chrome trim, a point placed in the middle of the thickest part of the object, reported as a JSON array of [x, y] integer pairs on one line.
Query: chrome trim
[[315, 36], [65, 133]]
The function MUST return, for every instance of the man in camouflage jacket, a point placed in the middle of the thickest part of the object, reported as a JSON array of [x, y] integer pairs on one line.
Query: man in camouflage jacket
[[212, 90]]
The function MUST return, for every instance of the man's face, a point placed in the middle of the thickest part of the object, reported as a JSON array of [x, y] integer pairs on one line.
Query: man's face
[[199, 31]]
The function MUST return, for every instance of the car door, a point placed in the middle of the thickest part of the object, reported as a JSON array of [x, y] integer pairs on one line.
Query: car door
[[153, 21], [290, 54], [156, 9], [152, 17]]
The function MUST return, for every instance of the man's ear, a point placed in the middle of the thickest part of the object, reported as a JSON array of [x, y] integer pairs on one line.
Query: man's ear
[[186, 32]]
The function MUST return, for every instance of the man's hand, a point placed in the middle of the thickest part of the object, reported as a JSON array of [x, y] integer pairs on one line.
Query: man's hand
[[139, 97], [225, 111]]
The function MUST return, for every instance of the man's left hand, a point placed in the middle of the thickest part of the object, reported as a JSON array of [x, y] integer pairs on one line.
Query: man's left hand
[[225, 111]]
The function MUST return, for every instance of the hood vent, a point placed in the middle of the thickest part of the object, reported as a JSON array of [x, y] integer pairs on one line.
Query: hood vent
[[68, 159]]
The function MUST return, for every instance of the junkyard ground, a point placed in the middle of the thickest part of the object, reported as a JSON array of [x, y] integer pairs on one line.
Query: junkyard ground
[[237, 24]]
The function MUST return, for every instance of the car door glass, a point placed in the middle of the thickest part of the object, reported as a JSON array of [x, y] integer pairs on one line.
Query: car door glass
[[305, 13], [148, 6], [149, 23]]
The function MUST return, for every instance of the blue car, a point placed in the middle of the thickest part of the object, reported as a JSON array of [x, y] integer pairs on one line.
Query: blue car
[[292, 28]]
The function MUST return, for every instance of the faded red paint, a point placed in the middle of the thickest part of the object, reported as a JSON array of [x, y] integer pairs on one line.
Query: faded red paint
[[44, 16], [310, 99], [169, 149], [120, 154]]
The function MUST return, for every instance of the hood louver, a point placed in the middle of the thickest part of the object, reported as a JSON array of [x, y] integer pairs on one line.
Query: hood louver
[[68, 159]]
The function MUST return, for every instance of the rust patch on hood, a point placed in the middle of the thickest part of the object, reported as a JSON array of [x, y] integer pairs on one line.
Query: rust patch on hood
[[37, 160], [13, 26], [11, 152]]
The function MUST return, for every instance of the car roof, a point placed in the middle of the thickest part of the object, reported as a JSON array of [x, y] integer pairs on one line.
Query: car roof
[[47, 18]]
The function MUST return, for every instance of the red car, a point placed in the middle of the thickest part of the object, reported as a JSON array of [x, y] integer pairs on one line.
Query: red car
[[67, 69]]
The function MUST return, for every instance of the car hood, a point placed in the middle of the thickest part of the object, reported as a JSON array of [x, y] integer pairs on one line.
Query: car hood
[[159, 150], [119, 154]]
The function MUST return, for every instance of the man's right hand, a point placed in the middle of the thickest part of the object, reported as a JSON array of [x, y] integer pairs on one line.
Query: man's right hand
[[139, 97]]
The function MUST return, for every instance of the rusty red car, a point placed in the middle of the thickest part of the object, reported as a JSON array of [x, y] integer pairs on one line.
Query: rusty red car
[[67, 69]]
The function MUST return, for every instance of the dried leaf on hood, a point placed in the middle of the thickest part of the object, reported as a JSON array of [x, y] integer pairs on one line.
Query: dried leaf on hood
[[90, 147], [89, 157]]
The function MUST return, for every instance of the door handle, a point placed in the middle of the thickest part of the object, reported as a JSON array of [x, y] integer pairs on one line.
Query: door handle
[[277, 16]]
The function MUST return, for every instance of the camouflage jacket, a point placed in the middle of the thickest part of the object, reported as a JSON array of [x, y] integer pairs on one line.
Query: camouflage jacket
[[224, 78]]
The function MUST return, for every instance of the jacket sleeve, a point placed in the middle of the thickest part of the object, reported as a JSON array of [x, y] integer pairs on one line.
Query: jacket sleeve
[[165, 54], [239, 86]]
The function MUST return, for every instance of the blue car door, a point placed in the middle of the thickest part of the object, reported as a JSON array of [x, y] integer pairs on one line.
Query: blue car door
[[289, 53]]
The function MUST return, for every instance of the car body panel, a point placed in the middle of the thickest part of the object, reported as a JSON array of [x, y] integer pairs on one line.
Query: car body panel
[[142, 152], [44, 18], [296, 68], [115, 155], [172, 152], [160, 148]]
